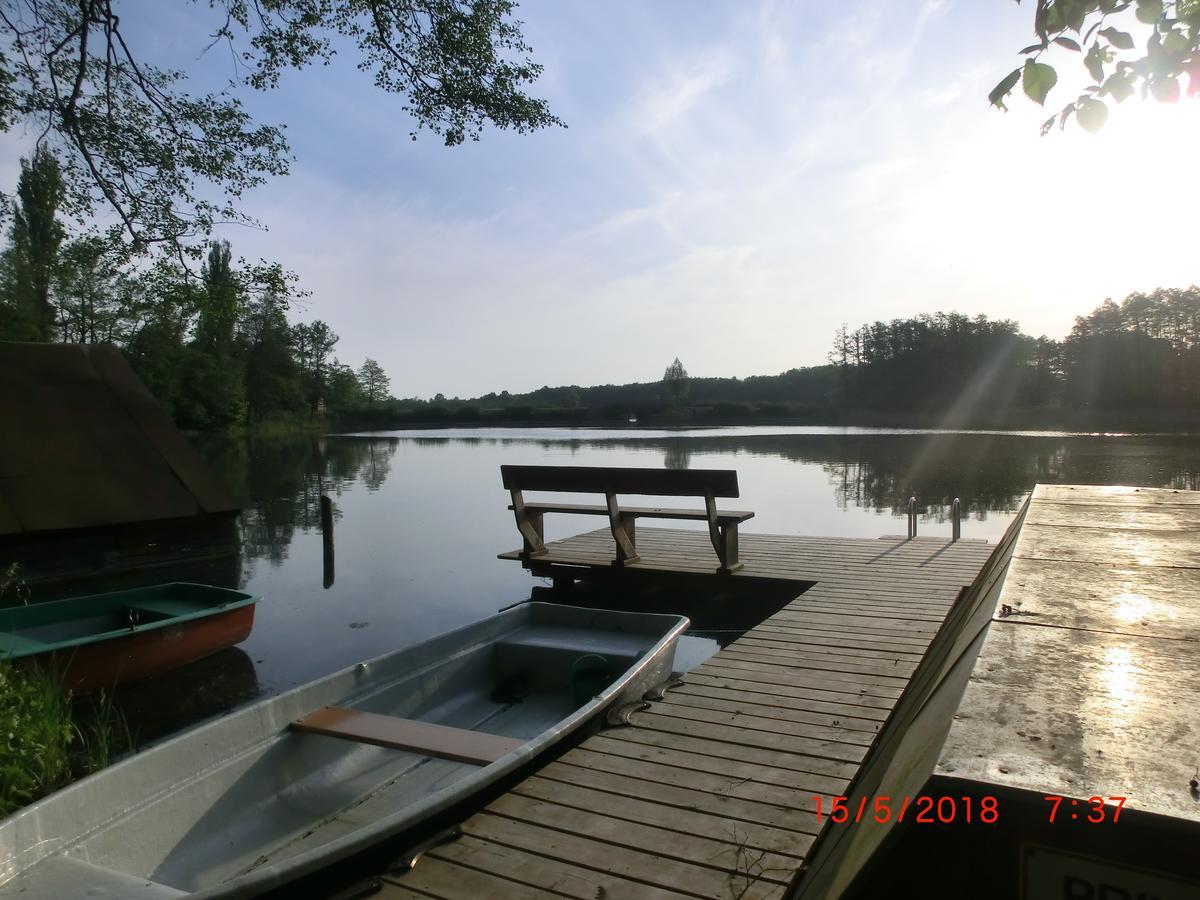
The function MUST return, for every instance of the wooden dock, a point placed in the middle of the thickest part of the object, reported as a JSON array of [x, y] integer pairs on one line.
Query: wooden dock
[[709, 791]]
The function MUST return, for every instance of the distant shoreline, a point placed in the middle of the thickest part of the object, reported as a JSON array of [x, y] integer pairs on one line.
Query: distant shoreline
[[1144, 421]]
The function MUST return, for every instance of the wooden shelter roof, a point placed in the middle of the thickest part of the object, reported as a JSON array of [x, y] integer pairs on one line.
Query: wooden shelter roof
[[84, 444]]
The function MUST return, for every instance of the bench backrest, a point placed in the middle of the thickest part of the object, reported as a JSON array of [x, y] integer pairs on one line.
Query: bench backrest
[[612, 480]]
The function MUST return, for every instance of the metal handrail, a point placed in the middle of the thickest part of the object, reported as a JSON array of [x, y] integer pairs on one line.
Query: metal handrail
[[956, 520], [912, 517]]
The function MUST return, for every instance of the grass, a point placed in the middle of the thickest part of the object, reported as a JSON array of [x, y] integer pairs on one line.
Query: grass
[[47, 738]]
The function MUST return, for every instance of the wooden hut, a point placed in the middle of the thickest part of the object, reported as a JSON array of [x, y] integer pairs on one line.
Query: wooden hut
[[95, 479]]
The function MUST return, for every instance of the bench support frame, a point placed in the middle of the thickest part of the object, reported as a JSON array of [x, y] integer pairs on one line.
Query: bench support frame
[[722, 527]]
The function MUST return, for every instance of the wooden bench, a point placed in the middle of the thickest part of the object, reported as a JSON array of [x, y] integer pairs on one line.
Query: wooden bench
[[706, 483], [459, 744]]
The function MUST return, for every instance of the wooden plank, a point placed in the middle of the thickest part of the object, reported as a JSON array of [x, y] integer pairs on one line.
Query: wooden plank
[[670, 808], [814, 702], [1114, 496], [622, 480], [1125, 547], [824, 756], [767, 707], [673, 833], [446, 879], [1154, 601], [680, 774], [894, 671], [869, 692], [746, 719], [562, 878], [775, 641], [459, 744], [1138, 518], [713, 758], [391, 890], [630, 863]]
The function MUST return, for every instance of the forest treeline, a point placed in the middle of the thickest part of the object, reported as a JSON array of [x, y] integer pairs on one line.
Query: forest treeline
[[215, 346]]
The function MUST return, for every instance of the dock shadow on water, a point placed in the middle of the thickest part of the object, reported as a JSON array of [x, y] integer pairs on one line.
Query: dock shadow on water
[[719, 616]]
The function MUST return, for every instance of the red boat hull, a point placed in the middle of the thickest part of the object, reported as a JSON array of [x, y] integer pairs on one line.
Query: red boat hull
[[128, 658]]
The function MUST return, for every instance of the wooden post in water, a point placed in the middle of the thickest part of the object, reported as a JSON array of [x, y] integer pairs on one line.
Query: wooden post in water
[[912, 517], [327, 541]]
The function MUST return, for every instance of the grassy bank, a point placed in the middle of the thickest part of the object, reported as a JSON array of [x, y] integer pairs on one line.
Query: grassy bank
[[47, 738]]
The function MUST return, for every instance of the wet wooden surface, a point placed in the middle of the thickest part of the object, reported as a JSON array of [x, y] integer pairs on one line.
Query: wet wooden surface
[[709, 792], [1088, 683]]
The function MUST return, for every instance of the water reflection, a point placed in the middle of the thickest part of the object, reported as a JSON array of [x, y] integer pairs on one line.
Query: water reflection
[[280, 483], [422, 515]]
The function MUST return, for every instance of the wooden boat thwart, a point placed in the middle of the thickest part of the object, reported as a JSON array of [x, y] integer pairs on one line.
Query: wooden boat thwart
[[102, 640], [279, 788]]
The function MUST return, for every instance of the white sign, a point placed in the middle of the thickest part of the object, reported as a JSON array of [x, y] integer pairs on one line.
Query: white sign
[[1054, 875]]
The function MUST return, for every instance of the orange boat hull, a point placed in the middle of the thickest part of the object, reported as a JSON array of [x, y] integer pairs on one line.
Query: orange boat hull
[[129, 658]]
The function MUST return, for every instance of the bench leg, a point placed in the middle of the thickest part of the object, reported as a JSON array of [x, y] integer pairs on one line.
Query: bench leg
[[529, 523], [727, 550], [623, 533]]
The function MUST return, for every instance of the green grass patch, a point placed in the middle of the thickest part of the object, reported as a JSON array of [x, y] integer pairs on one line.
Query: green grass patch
[[47, 739]]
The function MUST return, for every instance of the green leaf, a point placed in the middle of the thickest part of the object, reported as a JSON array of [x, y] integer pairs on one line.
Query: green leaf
[[1094, 60], [1165, 90], [1025, 51], [1118, 87], [1068, 43], [1149, 11], [1175, 43], [1092, 114], [1119, 39], [1037, 79], [1004, 88], [1047, 125]]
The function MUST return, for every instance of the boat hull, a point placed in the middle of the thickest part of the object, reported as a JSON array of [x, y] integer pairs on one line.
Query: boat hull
[[243, 804], [103, 640], [130, 658]]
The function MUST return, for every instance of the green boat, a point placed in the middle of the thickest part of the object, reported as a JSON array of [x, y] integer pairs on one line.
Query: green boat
[[101, 640]]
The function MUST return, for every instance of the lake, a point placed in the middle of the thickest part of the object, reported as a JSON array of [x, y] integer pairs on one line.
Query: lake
[[421, 515]]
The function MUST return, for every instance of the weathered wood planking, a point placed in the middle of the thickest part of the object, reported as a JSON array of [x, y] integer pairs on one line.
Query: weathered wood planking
[[1103, 698], [786, 558], [709, 792]]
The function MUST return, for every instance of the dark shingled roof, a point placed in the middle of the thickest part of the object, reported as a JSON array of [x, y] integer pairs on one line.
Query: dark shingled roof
[[84, 444]]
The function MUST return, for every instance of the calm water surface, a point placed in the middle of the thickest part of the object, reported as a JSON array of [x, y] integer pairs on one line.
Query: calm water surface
[[421, 515]]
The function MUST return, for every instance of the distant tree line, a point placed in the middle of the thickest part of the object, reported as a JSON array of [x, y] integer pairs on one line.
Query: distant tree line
[[215, 347], [1143, 353]]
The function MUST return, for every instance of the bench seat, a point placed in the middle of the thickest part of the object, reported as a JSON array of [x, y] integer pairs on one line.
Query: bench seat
[[649, 512], [477, 748]]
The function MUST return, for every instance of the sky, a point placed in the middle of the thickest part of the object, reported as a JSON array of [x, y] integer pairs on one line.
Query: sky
[[737, 180]]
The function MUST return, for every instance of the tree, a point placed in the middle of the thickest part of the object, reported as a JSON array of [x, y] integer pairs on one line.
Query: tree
[[675, 381], [92, 293], [170, 163], [221, 301], [1170, 30], [313, 344], [36, 237], [374, 382], [272, 383]]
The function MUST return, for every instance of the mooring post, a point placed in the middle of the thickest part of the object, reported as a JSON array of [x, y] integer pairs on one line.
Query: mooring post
[[956, 520], [327, 541], [912, 517]]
